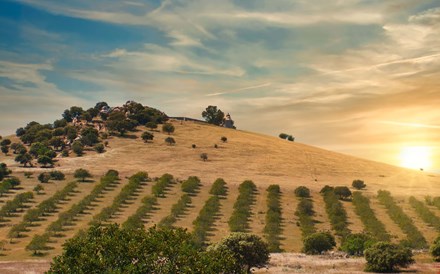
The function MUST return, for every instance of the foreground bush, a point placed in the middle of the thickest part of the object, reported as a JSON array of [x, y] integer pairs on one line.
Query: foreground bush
[[110, 249], [355, 244], [387, 257], [435, 250], [248, 250], [318, 242]]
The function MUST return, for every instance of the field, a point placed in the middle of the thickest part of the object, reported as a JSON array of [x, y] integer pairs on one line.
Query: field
[[245, 156]]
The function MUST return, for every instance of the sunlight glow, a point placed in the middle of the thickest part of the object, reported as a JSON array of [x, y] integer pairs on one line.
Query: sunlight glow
[[416, 157]]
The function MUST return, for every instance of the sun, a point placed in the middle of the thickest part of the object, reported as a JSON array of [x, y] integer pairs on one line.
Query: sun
[[416, 157]]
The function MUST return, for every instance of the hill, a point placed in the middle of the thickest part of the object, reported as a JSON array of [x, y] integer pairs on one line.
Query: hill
[[246, 155]]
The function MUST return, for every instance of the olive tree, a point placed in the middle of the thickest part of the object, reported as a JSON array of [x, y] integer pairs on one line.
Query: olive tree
[[82, 174], [168, 128], [387, 257], [318, 242], [435, 249], [248, 250], [213, 115]]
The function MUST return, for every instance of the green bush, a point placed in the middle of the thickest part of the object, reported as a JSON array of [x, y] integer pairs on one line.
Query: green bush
[[318, 242], [44, 177], [302, 191], [358, 184], [248, 250], [82, 174], [387, 257], [168, 128], [99, 148], [147, 136], [57, 175], [218, 188], [355, 244], [343, 192], [191, 185], [435, 249], [78, 148]]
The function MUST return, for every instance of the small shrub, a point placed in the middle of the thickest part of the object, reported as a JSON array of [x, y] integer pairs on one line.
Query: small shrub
[[204, 156], [151, 125], [57, 175], [387, 257], [224, 139], [435, 249], [28, 174], [99, 148], [343, 192], [358, 184], [302, 191], [248, 250], [355, 244], [326, 189], [65, 153], [44, 177], [78, 148], [38, 188], [147, 136], [170, 141], [168, 128], [82, 174], [318, 242], [215, 146]]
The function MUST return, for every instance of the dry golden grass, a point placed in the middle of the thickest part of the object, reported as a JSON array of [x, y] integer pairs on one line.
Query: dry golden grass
[[263, 159]]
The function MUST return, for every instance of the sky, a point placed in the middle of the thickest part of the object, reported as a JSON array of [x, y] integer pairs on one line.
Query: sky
[[357, 77]]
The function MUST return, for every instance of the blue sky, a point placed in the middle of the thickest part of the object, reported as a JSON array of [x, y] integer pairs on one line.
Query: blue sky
[[359, 77]]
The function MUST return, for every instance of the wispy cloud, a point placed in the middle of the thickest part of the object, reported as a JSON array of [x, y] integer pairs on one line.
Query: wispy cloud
[[239, 89]]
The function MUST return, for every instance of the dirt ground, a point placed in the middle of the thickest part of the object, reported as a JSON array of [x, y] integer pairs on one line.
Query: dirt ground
[[279, 263]]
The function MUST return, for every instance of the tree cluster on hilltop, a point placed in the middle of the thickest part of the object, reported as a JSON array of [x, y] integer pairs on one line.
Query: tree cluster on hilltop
[[77, 130]]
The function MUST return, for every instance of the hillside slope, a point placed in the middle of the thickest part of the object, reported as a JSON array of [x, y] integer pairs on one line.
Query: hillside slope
[[264, 159]]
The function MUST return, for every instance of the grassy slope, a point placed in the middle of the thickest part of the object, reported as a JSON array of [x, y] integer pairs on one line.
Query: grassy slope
[[265, 160]]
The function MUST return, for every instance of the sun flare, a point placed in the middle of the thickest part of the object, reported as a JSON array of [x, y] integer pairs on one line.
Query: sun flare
[[416, 157]]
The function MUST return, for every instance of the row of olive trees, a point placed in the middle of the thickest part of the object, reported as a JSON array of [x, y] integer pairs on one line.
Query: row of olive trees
[[177, 210], [415, 238], [38, 242], [8, 184], [239, 220], [190, 187], [368, 218], [134, 182], [149, 202], [208, 214], [425, 213], [13, 206], [335, 211], [45, 207], [272, 229], [304, 211]]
